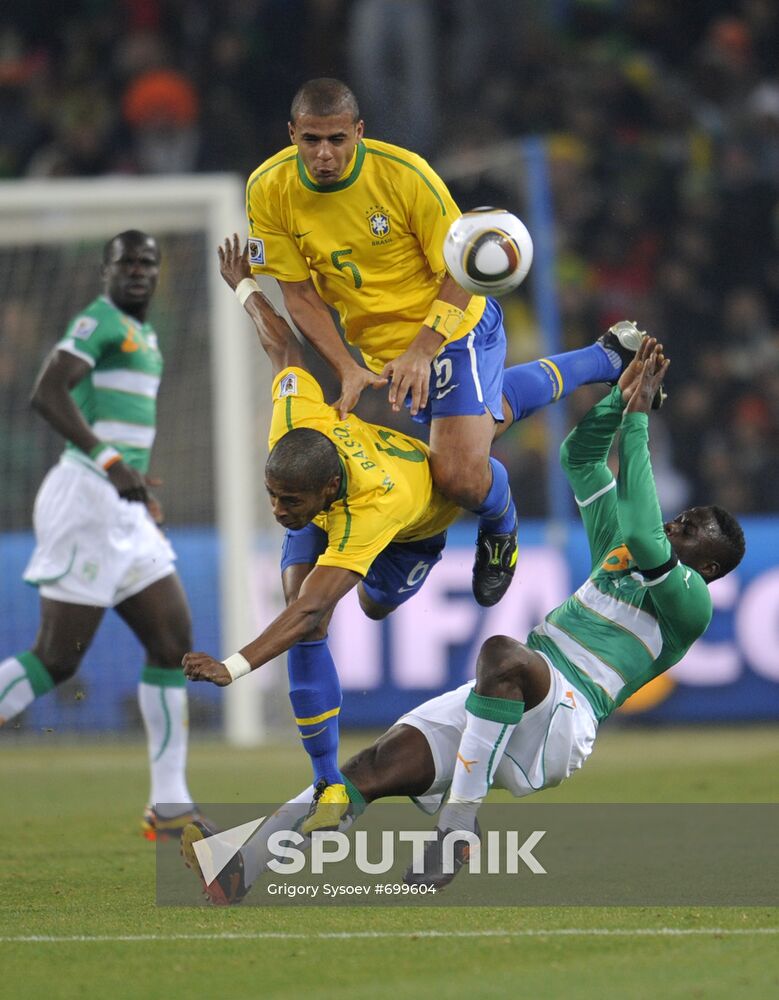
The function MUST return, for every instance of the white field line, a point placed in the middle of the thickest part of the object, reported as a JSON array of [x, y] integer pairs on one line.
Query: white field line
[[408, 935]]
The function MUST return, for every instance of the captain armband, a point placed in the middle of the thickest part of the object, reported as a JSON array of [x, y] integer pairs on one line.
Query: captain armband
[[651, 575], [445, 319]]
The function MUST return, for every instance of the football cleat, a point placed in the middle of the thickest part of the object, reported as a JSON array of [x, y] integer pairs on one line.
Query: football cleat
[[328, 808], [229, 887], [433, 874], [156, 827], [624, 338], [493, 568]]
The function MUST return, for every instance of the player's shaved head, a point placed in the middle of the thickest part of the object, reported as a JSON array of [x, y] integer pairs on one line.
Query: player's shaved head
[[304, 459], [130, 237], [324, 97]]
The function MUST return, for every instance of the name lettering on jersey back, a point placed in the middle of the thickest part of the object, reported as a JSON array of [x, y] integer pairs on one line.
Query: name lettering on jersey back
[[356, 450]]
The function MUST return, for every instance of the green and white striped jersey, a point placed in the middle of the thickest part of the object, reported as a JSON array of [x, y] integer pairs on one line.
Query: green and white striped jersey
[[118, 398], [640, 610]]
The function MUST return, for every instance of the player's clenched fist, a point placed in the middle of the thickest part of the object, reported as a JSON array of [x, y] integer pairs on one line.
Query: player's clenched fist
[[202, 667]]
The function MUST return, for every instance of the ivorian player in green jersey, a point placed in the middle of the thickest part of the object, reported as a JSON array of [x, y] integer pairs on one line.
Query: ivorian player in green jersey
[[531, 716], [98, 544]]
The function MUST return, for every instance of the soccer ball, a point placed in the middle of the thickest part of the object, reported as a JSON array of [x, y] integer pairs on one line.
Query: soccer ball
[[488, 251]]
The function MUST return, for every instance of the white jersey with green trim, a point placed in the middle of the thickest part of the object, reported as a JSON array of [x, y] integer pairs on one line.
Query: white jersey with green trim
[[118, 397], [640, 610]]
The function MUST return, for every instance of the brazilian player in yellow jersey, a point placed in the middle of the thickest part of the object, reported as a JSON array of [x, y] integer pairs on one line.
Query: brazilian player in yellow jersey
[[358, 226], [360, 509]]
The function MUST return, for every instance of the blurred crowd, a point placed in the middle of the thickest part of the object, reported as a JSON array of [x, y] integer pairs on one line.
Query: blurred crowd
[[661, 122]]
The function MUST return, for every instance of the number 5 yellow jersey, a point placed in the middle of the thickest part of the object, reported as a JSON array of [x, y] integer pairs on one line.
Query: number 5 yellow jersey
[[372, 243], [387, 493]]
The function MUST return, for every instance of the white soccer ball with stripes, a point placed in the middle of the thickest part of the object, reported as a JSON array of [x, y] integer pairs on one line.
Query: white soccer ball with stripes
[[488, 251]]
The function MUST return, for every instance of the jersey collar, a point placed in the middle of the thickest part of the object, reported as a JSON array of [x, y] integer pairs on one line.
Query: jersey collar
[[350, 175]]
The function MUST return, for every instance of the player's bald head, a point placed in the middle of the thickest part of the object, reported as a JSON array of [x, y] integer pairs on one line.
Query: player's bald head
[[324, 97], [130, 238], [303, 459]]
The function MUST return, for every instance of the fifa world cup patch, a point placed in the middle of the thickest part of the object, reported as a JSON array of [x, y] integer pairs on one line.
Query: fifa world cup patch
[[288, 385], [84, 327], [256, 250]]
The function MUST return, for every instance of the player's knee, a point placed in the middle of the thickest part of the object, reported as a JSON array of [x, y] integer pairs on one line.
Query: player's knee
[[462, 483], [370, 608], [167, 650], [500, 668]]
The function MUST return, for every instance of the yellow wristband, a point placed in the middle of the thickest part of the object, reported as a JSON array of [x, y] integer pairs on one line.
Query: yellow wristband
[[445, 318]]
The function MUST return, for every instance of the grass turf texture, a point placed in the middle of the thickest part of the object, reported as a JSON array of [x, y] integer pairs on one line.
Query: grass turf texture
[[76, 866]]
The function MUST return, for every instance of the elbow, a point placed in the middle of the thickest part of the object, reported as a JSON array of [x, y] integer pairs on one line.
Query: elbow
[[310, 615], [565, 452], [37, 402]]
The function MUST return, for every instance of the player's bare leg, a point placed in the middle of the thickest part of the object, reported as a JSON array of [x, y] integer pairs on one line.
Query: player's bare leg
[[464, 472], [398, 763], [64, 634]]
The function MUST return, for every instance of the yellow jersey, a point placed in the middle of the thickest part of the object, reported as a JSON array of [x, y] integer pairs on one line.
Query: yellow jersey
[[387, 492], [372, 243]]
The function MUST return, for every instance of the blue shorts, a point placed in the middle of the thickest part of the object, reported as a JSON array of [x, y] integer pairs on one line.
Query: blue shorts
[[466, 378], [396, 573]]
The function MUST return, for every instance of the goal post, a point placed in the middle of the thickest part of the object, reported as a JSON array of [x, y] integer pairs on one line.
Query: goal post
[[46, 221]]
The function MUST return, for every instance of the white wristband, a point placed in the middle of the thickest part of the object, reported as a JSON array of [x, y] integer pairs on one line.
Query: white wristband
[[244, 288], [237, 666]]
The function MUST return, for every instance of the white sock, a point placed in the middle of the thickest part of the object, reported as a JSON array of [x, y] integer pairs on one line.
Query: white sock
[[255, 851], [23, 678], [165, 716], [481, 749]]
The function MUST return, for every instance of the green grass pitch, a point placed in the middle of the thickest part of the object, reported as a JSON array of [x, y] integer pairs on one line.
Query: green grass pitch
[[78, 919]]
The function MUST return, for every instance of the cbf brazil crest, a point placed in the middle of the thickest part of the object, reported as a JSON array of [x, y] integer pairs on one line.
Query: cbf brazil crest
[[380, 224]]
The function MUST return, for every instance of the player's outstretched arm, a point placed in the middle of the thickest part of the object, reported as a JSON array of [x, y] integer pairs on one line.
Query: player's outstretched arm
[[638, 508], [277, 339], [322, 589], [313, 319], [586, 449]]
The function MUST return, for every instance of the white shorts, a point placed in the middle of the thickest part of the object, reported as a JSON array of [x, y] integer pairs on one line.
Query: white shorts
[[92, 547], [551, 741]]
